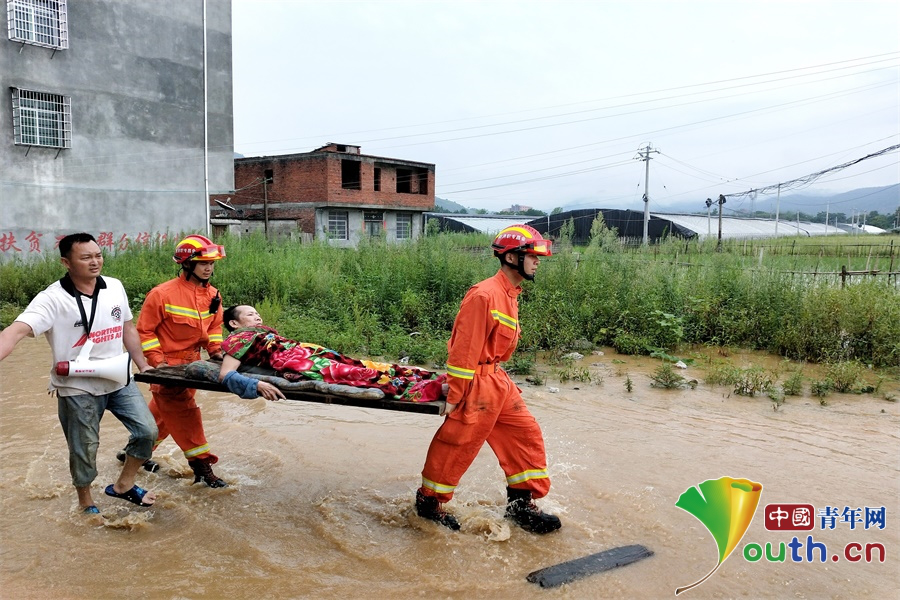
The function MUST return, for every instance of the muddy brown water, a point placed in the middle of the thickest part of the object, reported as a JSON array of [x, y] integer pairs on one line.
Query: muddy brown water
[[320, 497]]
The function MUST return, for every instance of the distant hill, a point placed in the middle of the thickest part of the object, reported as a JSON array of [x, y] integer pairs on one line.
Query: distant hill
[[448, 205], [884, 200]]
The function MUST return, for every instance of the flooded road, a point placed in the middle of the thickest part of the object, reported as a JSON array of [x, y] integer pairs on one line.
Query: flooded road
[[320, 503]]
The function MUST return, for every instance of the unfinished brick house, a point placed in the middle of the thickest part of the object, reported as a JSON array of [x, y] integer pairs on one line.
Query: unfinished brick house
[[333, 193]]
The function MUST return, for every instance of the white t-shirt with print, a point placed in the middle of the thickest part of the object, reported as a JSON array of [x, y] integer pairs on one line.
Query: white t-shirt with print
[[54, 312]]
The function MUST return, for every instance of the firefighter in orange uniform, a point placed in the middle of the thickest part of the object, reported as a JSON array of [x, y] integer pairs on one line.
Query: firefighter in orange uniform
[[178, 318], [483, 403]]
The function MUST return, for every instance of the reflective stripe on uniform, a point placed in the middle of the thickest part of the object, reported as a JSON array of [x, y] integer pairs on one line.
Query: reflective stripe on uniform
[[150, 344], [504, 319], [196, 451], [527, 476], [215, 338], [439, 488], [183, 311], [460, 372]]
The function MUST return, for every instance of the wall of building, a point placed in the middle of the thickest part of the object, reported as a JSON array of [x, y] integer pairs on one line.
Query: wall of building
[[135, 168], [356, 228], [303, 186], [387, 196]]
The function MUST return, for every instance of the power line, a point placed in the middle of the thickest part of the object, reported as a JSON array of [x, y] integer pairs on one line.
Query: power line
[[808, 179], [646, 135], [886, 57]]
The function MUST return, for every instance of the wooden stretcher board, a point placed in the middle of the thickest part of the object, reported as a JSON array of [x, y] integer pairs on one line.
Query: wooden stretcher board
[[174, 376]]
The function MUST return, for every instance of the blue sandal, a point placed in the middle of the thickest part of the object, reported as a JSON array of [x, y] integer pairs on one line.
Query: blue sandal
[[91, 510], [135, 495]]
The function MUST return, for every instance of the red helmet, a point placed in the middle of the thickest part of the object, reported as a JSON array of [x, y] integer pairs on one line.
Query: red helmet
[[197, 247], [521, 238]]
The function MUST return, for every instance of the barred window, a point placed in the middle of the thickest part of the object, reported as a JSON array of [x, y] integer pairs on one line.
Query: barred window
[[404, 226], [373, 221], [337, 224], [41, 119], [38, 22]]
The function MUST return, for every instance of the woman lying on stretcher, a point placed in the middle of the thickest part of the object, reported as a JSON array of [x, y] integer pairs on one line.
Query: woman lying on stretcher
[[252, 343]]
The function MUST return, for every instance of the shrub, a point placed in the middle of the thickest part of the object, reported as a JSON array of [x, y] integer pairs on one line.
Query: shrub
[[845, 376], [821, 388], [751, 381], [665, 377], [723, 374], [520, 365], [626, 343], [776, 395], [793, 385]]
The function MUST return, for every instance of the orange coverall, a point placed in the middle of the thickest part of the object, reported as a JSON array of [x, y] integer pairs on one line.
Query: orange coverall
[[174, 324], [491, 408]]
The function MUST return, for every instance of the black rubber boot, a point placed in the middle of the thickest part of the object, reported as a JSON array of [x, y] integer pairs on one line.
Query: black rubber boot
[[203, 472], [428, 507], [150, 465], [525, 513]]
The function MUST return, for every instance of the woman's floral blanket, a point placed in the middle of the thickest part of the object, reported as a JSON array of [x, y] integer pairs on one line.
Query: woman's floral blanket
[[203, 370], [298, 361]]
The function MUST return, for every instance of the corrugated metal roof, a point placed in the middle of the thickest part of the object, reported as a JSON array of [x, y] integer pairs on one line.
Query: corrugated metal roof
[[485, 223], [734, 227]]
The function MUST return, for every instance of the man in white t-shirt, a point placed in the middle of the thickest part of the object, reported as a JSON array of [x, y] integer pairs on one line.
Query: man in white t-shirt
[[85, 315]]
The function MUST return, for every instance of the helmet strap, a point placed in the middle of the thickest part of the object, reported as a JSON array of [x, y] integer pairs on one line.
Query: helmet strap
[[520, 267], [188, 266]]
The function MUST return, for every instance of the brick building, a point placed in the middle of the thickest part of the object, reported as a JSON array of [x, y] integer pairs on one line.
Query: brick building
[[334, 192]]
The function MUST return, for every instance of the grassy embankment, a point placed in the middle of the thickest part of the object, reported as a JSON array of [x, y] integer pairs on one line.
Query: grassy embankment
[[400, 300]]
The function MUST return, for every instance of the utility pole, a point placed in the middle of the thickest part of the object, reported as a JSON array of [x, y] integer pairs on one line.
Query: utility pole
[[205, 126], [266, 206], [644, 155], [709, 203], [777, 206], [721, 201]]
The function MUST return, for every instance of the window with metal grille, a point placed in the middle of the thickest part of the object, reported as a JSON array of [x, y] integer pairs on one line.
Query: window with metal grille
[[374, 222], [41, 119], [404, 226], [337, 224], [38, 22]]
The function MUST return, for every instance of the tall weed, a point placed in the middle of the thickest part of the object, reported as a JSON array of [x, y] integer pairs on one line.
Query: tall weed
[[371, 299]]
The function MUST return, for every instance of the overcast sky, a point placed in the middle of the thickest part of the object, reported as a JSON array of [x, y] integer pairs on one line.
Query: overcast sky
[[548, 103]]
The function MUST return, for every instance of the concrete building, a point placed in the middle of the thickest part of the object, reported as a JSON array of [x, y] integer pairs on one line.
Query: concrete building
[[334, 193], [104, 110]]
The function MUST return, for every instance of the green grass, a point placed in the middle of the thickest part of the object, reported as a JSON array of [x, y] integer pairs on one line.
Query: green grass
[[396, 300]]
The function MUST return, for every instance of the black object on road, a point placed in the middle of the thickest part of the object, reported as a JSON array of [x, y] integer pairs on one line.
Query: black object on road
[[571, 570]]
